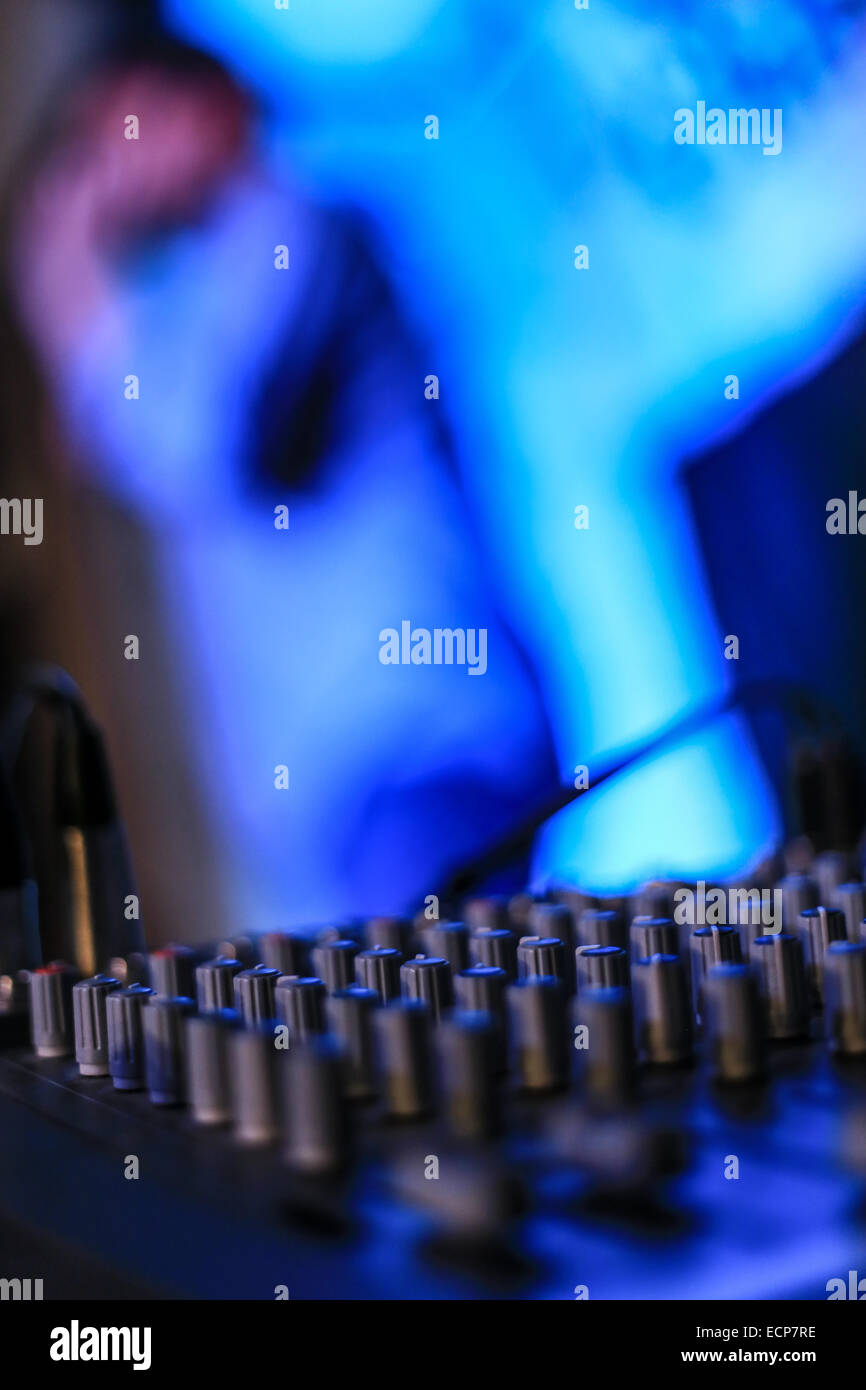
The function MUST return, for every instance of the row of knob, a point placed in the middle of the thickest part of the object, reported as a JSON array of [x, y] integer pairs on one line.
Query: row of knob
[[505, 925], [219, 1055]]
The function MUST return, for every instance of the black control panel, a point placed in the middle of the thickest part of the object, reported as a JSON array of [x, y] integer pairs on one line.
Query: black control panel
[[557, 1098]]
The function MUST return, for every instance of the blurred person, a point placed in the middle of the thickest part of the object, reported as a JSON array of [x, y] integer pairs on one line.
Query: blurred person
[[583, 388], [590, 382], [324, 782]]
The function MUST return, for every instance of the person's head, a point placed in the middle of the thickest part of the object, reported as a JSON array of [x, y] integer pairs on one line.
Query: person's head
[[161, 123]]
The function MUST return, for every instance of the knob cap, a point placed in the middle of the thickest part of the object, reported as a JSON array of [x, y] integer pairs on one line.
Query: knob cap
[[394, 932], [486, 914], [379, 969], [316, 1118], [467, 1046], [428, 978], [208, 1074], [285, 951], [653, 936], [537, 1012], [799, 892], [604, 1055], [709, 946], [254, 993], [519, 908], [734, 1023], [830, 870], [171, 971], [130, 970], [165, 1048], [655, 900], [404, 1038], [51, 1009], [334, 962], [851, 902], [781, 972], [555, 920], [663, 1010], [346, 931], [602, 927], [214, 983], [496, 947], [481, 989], [602, 967], [816, 928], [845, 984], [350, 1019], [255, 1064], [300, 1004], [448, 941], [89, 1019], [123, 1008], [243, 949], [541, 955]]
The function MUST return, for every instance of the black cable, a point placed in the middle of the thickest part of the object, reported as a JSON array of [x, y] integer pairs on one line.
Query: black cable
[[797, 702]]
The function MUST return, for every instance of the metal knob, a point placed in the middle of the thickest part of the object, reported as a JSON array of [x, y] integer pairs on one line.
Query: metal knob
[[404, 1038], [428, 978], [662, 1010], [555, 920], [495, 947], [537, 1012], [778, 961], [541, 955], [734, 1023], [798, 893], [334, 962], [316, 1118], [394, 932], [255, 1064], [653, 936], [845, 984], [602, 967], [379, 969], [449, 941], [51, 1009], [602, 927], [123, 1008], [165, 1048], [604, 1054], [851, 902], [90, 1026], [254, 993], [816, 928], [209, 1065], [285, 951], [350, 1019], [171, 971], [481, 989], [214, 983], [300, 1004], [710, 946], [467, 1046]]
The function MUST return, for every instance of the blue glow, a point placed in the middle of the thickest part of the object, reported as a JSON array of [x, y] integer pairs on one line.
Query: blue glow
[[316, 31], [564, 388], [682, 816]]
